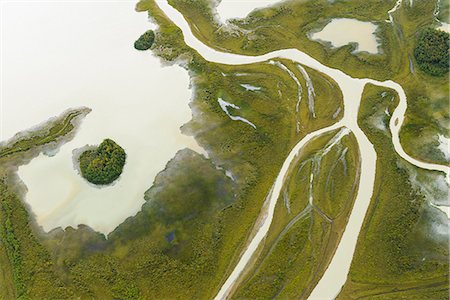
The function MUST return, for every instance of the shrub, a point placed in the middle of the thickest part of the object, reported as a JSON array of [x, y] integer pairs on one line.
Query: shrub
[[431, 52], [145, 41], [104, 164]]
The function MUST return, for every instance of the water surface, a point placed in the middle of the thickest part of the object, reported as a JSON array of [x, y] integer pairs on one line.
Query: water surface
[[71, 54], [231, 9], [341, 32]]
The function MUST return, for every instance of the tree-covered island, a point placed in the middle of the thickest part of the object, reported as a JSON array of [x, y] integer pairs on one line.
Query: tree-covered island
[[145, 41], [104, 164]]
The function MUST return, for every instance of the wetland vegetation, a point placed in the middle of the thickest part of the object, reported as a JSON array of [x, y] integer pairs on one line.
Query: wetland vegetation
[[432, 52], [397, 255], [51, 133], [145, 41], [104, 164], [196, 220], [310, 217]]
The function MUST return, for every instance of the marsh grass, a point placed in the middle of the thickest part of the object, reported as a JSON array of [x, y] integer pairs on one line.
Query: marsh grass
[[303, 238], [191, 231], [396, 256], [288, 25], [43, 135]]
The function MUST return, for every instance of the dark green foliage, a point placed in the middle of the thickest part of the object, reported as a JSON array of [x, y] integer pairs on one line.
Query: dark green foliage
[[431, 52], [32, 268], [104, 164], [11, 243], [145, 41]]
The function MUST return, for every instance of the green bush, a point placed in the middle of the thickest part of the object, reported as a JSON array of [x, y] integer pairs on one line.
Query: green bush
[[431, 52], [104, 164], [145, 41]]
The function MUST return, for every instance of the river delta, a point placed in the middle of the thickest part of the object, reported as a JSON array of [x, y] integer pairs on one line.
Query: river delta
[[305, 167]]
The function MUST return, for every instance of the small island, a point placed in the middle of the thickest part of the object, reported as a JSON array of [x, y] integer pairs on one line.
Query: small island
[[145, 41], [104, 164]]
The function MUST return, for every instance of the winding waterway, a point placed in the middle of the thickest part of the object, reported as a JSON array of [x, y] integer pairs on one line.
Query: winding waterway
[[336, 273]]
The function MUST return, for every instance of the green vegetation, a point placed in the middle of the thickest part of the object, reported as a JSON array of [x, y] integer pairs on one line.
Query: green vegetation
[[22, 257], [444, 11], [398, 256], [195, 221], [308, 222], [145, 41], [287, 26], [432, 52], [428, 107], [51, 133], [25, 264], [186, 253], [29, 261], [169, 242], [104, 164]]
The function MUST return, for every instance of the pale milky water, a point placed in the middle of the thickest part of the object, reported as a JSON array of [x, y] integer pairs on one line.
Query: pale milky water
[[444, 27], [335, 275], [231, 9], [444, 146], [62, 55], [341, 32], [352, 88]]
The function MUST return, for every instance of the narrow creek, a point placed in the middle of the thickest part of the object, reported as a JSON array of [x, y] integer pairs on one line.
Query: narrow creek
[[336, 274]]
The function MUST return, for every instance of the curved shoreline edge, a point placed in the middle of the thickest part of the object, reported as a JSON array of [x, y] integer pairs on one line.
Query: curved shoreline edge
[[335, 275]]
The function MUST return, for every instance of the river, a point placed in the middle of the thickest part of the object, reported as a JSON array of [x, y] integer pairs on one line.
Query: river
[[336, 274]]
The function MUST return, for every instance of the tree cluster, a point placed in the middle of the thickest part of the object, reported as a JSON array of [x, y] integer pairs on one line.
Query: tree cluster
[[145, 41], [432, 52], [104, 164]]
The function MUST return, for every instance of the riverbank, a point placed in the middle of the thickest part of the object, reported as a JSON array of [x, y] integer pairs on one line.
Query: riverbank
[[190, 252], [394, 129]]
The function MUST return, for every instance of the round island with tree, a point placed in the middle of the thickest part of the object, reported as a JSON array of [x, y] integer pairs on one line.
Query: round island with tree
[[145, 41], [104, 164]]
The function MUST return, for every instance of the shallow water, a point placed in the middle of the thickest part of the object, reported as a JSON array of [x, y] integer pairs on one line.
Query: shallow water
[[444, 27], [341, 32], [336, 273], [250, 87], [61, 55], [352, 88], [231, 9], [224, 105], [444, 146]]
